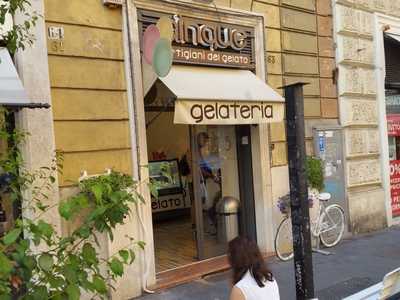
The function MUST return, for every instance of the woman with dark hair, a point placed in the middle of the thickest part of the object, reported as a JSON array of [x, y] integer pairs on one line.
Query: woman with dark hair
[[252, 279]]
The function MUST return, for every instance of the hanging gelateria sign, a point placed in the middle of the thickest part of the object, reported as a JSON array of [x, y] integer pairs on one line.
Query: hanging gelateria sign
[[204, 42], [227, 112]]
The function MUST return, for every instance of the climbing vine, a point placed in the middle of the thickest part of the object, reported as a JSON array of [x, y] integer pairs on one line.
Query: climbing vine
[[17, 36], [36, 261]]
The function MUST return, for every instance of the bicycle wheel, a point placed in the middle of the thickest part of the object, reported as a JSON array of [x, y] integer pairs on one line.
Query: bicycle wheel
[[332, 225], [284, 240]]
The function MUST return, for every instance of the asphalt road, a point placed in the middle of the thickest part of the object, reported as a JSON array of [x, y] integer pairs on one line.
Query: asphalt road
[[355, 264]]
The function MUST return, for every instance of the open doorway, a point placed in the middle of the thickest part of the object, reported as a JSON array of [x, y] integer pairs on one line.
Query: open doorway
[[196, 166]]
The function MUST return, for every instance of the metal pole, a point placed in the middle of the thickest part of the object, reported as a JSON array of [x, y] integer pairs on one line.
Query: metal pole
[[298, 191]]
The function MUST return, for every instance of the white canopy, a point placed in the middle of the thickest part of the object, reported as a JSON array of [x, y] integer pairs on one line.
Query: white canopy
[[222, 96], [205, 83], [12, 92], [393, 36]]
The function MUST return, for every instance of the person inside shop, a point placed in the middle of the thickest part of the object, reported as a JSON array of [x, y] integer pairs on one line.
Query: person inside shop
[[252, 280], [209, 170]]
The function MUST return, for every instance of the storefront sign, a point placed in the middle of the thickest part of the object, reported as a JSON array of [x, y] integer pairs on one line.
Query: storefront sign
[[168, 202], [192, 55], [393, 124], [226, 112], [395, 187], [204, 42], [211, 35]]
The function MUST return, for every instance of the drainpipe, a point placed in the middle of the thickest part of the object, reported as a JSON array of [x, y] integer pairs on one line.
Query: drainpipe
[[133, 127], [130, 92]]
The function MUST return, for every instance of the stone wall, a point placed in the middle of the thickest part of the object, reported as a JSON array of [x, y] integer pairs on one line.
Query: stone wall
[[88, 88], [354, 32], [299, 45]]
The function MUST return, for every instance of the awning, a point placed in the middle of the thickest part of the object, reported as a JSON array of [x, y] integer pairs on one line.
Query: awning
[[392, 60], [393, 36], [221, 96], [12, 92]]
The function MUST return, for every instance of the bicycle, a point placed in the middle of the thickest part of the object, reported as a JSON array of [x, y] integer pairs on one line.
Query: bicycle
[[327, 228]]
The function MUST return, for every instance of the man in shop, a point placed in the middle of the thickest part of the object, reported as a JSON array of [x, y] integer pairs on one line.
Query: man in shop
[[209, 170]]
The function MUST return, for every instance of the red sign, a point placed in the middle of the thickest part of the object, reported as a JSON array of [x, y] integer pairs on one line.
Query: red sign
[[395, 187], [393, 123]]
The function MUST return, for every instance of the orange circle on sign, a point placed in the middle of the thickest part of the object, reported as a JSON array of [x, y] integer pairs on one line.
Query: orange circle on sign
[[164, 24]]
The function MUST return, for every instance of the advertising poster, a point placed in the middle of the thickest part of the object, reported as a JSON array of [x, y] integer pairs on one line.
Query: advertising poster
[[395, 187], [393, 122]]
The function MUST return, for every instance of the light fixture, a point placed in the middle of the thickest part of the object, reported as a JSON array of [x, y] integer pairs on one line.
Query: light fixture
[[112, 3]]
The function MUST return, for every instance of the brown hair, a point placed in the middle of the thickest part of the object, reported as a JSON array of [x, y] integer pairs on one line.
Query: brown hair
[[244, 255]]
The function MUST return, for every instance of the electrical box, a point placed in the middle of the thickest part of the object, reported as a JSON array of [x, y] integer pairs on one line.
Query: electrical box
[[328, 146], [113, 2]]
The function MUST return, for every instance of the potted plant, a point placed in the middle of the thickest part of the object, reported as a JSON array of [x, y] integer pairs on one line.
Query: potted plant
[[315, 180]]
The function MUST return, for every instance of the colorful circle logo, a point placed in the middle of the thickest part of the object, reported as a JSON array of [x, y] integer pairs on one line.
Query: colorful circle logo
[[157, 49]]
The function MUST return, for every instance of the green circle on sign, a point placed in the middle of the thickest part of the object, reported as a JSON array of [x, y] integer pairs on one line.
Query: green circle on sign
[[162, 57]]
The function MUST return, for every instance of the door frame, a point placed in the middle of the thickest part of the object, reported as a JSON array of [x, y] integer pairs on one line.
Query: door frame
[[260, 136], [394, 23], [247, 213]]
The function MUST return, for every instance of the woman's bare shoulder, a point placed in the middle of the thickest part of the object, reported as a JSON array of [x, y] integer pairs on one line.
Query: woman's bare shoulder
[[236, 294]]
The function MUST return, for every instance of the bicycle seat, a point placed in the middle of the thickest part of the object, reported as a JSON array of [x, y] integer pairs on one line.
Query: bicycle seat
[[324, 197]]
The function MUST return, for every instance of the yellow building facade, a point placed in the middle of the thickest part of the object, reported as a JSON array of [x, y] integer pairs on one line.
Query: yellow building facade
[[98, 117]]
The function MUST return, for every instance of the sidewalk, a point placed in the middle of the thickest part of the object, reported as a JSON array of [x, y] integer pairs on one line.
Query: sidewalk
[[356, 264]]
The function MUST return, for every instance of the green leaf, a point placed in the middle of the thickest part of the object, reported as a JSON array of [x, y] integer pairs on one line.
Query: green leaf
[[40, 293], [62, 296], [70, 274], [97, 212], [133, 256], [65, 210], [82, 201], [73, 292], [141, 244], [89, 254], [29, 262], [6, 266], [99, 284], [12, 236], [84, 232], [45, 228], [5, 297], [97, 191], [124, 255], [46, 262], [116, 267], [56, 282]]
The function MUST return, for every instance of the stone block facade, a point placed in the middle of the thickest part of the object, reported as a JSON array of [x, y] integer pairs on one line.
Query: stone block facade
[[299, 45], [358, 102]]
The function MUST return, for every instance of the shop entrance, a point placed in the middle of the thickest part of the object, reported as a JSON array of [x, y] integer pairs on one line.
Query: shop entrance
[[195, 167]]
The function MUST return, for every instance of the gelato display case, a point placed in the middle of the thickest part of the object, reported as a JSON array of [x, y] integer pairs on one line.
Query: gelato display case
[[172, 195]]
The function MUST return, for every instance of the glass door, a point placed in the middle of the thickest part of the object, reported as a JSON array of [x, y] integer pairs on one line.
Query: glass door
[[216, 188]]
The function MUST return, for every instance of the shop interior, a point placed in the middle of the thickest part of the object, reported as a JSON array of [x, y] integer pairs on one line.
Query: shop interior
[[185, 213]]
